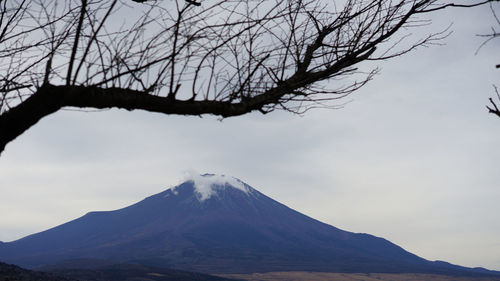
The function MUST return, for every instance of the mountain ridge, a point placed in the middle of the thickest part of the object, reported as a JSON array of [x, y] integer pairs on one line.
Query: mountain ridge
[[224, 230], [108, 272], [14, 273]]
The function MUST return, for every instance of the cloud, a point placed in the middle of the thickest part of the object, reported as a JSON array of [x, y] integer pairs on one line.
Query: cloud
[[206, 185]]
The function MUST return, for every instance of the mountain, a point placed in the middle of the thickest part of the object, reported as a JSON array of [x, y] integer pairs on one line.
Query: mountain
[[217, 224]]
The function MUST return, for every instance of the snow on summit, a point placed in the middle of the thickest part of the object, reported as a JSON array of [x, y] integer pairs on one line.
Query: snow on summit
[[207, 185]]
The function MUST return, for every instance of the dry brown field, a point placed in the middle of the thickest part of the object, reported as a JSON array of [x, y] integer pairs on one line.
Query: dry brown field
[[322, 276]]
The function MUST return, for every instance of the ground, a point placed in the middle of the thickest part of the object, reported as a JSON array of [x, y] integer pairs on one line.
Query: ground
[[321, 276]]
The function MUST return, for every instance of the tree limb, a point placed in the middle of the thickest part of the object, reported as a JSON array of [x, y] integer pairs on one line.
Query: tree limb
[[494, 109], [226, 59]]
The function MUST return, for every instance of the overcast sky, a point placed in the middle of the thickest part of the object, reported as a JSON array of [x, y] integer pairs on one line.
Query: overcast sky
[[412, 157]]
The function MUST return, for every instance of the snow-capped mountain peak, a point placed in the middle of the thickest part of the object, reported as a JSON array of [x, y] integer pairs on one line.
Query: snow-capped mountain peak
[[237, 230], [207, 185]]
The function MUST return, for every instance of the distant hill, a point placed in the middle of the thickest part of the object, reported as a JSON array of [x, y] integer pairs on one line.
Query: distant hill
[[14, 273], [134, 272], [217, 224], [117, 272]]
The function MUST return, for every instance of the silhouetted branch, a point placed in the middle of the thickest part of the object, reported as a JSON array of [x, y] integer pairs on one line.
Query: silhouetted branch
[[187, 1], [225, 58], [494, 34], [454, 5], [494, 109]]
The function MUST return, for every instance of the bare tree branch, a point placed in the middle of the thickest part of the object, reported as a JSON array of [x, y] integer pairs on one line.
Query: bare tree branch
[[493, 108], [224, 58], [493, 35]]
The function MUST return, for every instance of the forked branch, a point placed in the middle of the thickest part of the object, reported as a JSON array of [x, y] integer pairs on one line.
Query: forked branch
[[224, 58]]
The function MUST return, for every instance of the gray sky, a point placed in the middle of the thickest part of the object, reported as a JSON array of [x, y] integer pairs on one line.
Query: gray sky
[[412, 157]]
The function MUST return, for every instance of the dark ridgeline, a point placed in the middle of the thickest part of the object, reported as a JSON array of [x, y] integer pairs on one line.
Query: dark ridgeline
[[14, 273], [117, 272], [230, 232]]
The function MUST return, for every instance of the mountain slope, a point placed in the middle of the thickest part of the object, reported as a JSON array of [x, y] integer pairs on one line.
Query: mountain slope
[[216, 224]]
